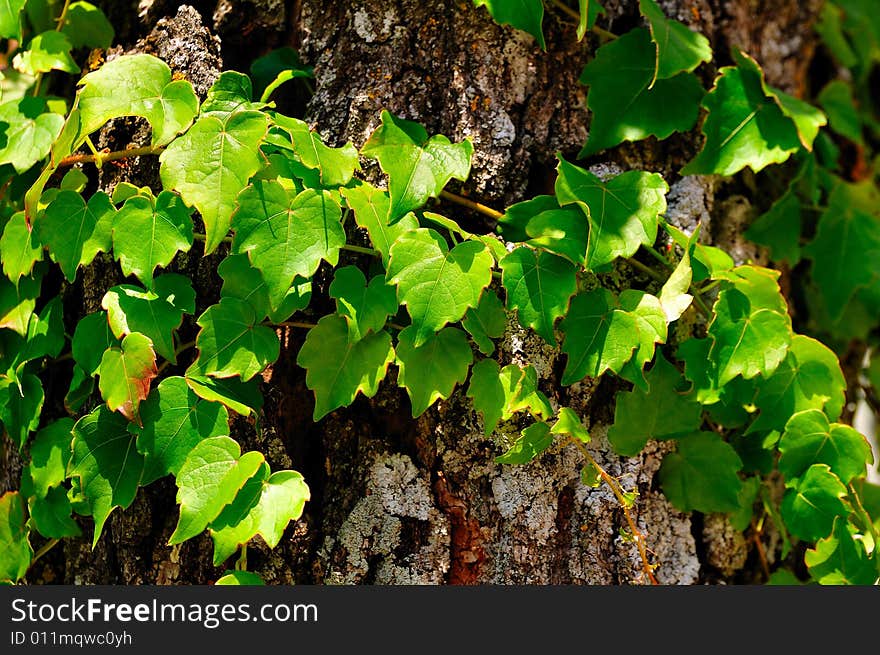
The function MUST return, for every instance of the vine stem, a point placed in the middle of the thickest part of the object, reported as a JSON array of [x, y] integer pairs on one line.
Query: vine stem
[[564, 8], [647, 270], [618, 492], [295, 324], [470, 204], [759, 546], [360, 249], [70, 160], [58, 27], [45, 548]]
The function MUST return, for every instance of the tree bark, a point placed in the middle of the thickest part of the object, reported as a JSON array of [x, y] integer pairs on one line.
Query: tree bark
[[398, 500]]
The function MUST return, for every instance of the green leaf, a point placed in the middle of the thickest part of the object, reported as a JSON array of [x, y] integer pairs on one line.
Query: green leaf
[[240, 578], [809, 509], [75, 231], [498, 393], [230, 342], [354, 367], [138, 85], [125, 374], [742, 517], [280, 499], [625, 105], [29, 134], [10, 23], [15, 549], [838, 102], [364, 307], [371, 209], [149, 233], [810, 438], [232, 92], [706, 261], [174, 420], [17, 302], [532, 441], [570, 423], [539, 287], [106, 462], [589, 12], [45, 333], [437, 285], [51, 514], [285, 236], [525, 15], [227, 150], [21, 401], [242, 281], [87, 26], [846, 249], [241, 397], [334, 165], [155, 314], [622, 213], [662, 412], [603, 333], [488, 393], [19, 248], [751, 329], [679, 49], [841, 558], [82, 385], [779, 229], [417, 167], [674, 296], [46, 52], [431, 370], [702, 474], [209, 479], [542, 223], [265, 69], [485, 322], [50, 453], [90, 339], [808, 378]]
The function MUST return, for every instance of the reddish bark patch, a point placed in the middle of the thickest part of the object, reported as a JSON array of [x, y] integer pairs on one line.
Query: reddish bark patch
[[467, 556]]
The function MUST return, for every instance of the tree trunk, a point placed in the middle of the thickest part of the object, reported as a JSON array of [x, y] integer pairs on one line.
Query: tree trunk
[[400, 500]]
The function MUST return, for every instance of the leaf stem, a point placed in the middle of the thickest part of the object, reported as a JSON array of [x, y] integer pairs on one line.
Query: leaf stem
[[701, 305], [866, 518], [360, 249], [70, 160], [198, 236], [618, 492], [470, 204], [294, 324], [45, 548], [660, 258], [647, 270], [38, 80]]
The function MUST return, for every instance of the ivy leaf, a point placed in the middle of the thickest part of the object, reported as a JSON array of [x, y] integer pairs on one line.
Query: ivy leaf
[[82, 385], [751, 329], [808, 378], [155, 314], [679, 49], [532, 441], [208, 481], [525, 15], [76, 231], [30, 132], [150, 233], [569, 423], [174, 420], [364, 307], [499, 393], [702, 474], [232, 92], [417, 167], [21, 401], [625, 105], [706, 261], [335, 165], [437, 285], [354, 367], [45, 333], [87, 26], [486, 322], [622, 213], [106, 462], [280, 499], [603, 333], [431, 370], [674, 296], [841, 559], [487, 393], [19, 248], [46, 52], [809, 438], [138, 85], [125, 374], [838, 102], [230, 342], [541, 222], [242, 281], [660, 412], [285, 236], [227, 150], [10, 28], [15, 549], [50, 453], [809, 509], [90, 339], [240, 579], [846, 250], [264, 70], [589, 12], [779, 229], [51, 514], [372, 207], [17, 302], [539, 286], [241, 397]]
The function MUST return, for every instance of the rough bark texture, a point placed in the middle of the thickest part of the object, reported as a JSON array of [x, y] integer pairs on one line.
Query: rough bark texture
[[397, 500]]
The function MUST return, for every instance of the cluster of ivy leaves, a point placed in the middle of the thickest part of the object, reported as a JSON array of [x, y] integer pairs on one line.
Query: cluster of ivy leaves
[[747, 400]]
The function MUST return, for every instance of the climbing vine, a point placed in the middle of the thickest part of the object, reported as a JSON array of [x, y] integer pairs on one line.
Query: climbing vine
[[751, 405]]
